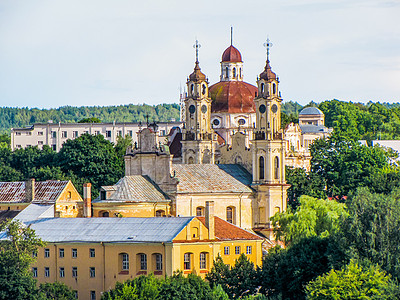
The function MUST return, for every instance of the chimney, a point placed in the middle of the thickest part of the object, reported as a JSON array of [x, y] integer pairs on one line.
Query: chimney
[[30, 190], [87, 200], [210, 219]]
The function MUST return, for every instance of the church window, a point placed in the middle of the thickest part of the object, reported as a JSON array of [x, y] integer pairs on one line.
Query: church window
[[226, 72], [261, 167], [230, 212], [234, 72], [242, 121], [204, 89], [160, 213], [199, 211], [262, 88], [240, 72], [191, 160], [216, 122], [276, 162], [274, 88], [191, 89]]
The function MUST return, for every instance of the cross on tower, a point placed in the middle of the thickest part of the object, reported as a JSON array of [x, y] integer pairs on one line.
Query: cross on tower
[[268, 45], [197, 47]]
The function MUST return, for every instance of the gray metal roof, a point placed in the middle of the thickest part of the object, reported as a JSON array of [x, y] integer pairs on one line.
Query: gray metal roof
[[311, 111], [136, 188], [313, 128], [210, 178], [36, 211], [128, 230]]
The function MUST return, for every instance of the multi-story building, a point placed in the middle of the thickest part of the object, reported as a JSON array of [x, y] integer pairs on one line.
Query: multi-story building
[[55, 134]]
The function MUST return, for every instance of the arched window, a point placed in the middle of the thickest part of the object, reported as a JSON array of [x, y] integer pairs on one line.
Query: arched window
[[262, 88], [200, 211], [160, 213], [274, 88], [105, 214], [234, 72], [142, 261], [261, 167], [240, 72], [276, 164], [203, 260], [226, 72], [191, 160], [230, 215], [204, 89], [187, 261], [123, 261], [191, 89], [195, 232]]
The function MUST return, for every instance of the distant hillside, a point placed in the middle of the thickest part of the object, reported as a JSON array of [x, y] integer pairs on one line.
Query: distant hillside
[[20, 117]]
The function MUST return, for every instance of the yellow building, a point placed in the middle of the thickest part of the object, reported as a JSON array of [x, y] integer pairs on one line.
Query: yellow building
[[61, 195], [91, 254]]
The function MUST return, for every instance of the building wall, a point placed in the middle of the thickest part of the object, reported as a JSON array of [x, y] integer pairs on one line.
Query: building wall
[[13, 206], [55, 134], [140, 210], [69, 204]]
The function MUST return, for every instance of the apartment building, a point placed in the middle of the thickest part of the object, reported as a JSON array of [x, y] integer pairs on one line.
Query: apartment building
[[56, 134]]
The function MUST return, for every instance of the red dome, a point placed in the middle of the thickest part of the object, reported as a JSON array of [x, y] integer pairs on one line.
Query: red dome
[[233, 97], [231, 54]]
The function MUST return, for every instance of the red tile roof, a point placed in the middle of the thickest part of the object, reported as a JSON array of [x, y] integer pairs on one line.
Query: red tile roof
[[45, 191], [226, 231], [231, 54]]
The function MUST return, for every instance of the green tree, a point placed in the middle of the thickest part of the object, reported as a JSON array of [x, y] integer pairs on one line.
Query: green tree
[[353, 282], [91, 157], [56, 291], [90, 120], [371, 231], [122, 144], [17, 243], [314, 217]]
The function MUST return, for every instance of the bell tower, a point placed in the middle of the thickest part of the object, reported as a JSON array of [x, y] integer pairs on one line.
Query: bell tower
[[198, 142], [268, 150]]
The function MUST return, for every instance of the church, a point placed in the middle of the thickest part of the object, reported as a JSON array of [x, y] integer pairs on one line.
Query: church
[[231, 151]]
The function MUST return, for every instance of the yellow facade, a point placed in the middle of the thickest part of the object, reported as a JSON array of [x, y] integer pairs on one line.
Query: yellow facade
[[69, 204], [100, 265], [140, 210]]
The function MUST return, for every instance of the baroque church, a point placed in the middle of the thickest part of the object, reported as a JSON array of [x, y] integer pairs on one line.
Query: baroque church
[[231, 150]]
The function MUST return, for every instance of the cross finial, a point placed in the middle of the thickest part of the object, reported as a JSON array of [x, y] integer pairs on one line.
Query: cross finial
[[197, 47], [268, 45], [231, 35]]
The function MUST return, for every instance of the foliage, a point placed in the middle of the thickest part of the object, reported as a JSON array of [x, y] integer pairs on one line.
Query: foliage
[[122, 144], [240, 280], [303, 183], [285, 272], [16, 281], [90, 120], [314, 217], [21, 117], [371, 230], [56, 291], [142, 287], [353, 282]]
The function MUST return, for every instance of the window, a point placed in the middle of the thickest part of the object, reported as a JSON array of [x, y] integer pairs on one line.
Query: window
[[108, 133], [187, 261], [237, 250], [92, 295], [46, 252], [226, 250], [86, 132], [74, 253], [262, 88], [18, 133], [61, 252], [203, 260], [158, 257], [204, 89], [103, 195], [92, 252], [248, 250], [273, 88], [125, 261], [92, 272], [34, 253], [34, 272], [97, 133], [226, 72], [119, 133], [130, 133], [261, 167], [29, 133], [54, 147], [74, 272], [18, 146], [276, 162], [199, 211], [195, 232], [234, 72], [69, 195], [160, 213], [54, 134], [76, 294], [230, 214], [75, 134], [46, 272], [143, 261], [216, 122], [40, 142], [242, 121], [62, 273], [64, 134], [40, 133]]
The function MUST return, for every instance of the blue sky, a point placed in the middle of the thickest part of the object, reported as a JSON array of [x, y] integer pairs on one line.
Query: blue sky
[[96, 52]]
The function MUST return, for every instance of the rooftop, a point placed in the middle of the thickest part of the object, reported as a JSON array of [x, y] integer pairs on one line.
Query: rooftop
[[311, 111]]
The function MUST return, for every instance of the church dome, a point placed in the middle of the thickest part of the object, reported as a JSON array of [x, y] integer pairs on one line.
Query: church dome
[[197, 75], [311, 111], [233, 97], [267, 74], [231, 54]]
